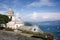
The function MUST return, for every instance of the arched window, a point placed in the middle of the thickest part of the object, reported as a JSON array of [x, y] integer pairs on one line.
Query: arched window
[[16, 25], [34, 29]]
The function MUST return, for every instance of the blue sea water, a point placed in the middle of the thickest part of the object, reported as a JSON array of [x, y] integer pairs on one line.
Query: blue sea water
[[51, 27]]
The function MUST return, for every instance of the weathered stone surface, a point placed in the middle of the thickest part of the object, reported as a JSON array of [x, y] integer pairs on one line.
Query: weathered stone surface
[[7, 35]]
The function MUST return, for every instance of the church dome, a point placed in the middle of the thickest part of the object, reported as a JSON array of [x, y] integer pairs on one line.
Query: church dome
[[18, 20], [10, 12]]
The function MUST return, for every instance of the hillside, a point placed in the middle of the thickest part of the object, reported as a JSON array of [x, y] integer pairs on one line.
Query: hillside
[[7, 35]]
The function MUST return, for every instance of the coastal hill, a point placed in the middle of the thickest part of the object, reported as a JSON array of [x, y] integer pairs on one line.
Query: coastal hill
[[8, 35]]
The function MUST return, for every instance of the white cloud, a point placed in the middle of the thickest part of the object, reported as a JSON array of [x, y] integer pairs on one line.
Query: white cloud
[[43, 16], [33, 16], [3, 12], [41, 3]]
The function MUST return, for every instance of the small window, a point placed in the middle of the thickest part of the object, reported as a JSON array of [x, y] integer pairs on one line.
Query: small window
[[16, 25], [34, 29]]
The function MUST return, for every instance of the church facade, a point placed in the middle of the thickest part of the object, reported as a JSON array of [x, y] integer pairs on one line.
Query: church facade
[[17, 23]]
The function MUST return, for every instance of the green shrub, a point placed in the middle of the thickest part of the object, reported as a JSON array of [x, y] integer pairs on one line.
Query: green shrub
[[1, 28], [30, 32], [27, 32], [50, 36]]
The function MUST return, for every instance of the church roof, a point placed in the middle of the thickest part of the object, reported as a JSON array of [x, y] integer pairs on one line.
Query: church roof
[[17, 20]]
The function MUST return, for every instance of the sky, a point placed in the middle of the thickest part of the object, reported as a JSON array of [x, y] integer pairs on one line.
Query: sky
[[33, 10]]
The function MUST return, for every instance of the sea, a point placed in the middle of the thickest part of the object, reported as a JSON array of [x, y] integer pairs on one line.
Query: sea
[[51, 27]]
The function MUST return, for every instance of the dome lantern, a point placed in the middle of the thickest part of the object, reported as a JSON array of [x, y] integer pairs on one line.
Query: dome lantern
[[10, 12]]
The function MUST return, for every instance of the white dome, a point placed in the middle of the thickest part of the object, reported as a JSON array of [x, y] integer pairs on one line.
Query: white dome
[[10, 12], [16, 18]]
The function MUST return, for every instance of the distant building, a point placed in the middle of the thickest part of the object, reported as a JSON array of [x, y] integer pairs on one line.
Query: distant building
[[17, 23]]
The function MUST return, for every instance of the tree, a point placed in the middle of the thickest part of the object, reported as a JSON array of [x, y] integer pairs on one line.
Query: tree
[[4, 19]]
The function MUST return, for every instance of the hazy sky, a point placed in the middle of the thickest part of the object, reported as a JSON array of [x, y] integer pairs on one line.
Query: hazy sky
[[36, 10]]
